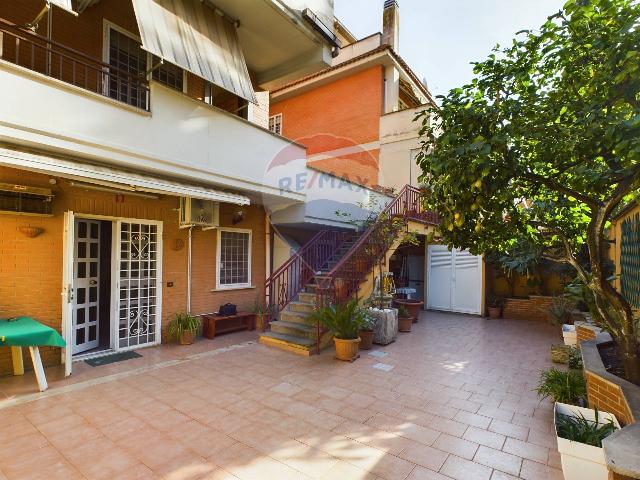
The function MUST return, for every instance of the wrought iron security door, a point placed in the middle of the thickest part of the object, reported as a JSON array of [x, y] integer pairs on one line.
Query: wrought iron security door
[[138, 296]]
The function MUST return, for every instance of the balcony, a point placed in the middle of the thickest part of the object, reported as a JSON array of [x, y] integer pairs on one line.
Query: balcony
[[62, 101]]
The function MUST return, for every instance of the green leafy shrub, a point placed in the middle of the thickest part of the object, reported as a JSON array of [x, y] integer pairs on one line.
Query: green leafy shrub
[[403, 312], [343, 320], [182, 322], [579, 429], [368, 321], [565, 387], [575, 358]]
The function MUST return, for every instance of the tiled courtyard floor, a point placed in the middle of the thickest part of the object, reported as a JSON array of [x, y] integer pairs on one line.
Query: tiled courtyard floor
[[452, 399]]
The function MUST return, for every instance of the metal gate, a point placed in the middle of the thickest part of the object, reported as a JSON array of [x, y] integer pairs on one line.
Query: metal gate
[[138, 283], [454, 280]]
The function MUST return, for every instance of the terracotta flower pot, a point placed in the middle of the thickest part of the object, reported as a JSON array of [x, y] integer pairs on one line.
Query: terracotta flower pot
[[495, 312], [187, 337], [404, 324], [347, 350], [366, 339], [412, 306]]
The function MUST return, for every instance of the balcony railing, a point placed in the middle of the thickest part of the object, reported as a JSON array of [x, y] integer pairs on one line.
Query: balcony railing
[[48, 57]]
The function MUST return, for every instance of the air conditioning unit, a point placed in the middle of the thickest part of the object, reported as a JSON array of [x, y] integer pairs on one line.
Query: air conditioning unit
[[199, 213], [23, 200]]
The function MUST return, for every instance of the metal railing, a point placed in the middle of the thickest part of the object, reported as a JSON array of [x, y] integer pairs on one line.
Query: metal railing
[[48, 57], [343, 281], [289, 280]]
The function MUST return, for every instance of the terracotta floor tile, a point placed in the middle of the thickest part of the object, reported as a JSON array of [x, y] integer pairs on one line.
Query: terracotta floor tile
[[505, 462], [526, 450], [485, 437], [461, 469], [536, 471], [461, 387], [424, 456], [420, 473], [462, 448]]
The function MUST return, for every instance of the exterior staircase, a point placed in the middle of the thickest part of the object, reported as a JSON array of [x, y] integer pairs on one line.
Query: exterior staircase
[[291, 331], [331, 268]]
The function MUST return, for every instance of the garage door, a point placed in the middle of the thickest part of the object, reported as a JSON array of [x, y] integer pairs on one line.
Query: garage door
[[454, 280]]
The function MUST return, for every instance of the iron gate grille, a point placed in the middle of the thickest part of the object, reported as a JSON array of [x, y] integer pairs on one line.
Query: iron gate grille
[[630, 260]]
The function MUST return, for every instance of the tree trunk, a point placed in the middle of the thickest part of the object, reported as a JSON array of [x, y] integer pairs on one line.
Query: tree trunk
[[630, 359]]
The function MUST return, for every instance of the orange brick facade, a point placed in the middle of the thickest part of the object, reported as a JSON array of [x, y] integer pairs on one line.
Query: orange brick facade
[[533, 308], [608, 397], [31, 268], [342, 120]]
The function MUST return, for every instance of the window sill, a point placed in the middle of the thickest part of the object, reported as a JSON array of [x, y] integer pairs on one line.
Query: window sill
[[240, 287]]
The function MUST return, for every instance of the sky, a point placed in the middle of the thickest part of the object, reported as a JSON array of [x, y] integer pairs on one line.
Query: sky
[[439, 38]]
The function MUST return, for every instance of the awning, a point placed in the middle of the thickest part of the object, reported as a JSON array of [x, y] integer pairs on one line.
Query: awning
[[112, 177], [64, 4], [194, 37]]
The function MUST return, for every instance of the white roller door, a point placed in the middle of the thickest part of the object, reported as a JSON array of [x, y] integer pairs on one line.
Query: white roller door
[[454, 280]]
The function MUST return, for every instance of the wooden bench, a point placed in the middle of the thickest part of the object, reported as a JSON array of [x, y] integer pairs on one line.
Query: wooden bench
[[213, 324]]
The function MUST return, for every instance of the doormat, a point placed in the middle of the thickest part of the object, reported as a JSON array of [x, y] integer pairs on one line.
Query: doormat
[[116, 357]]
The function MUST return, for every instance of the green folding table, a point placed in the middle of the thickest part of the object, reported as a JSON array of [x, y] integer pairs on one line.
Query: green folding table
[[26, 332]]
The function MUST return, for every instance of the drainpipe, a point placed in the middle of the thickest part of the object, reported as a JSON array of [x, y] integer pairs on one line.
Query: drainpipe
[[189, 272]]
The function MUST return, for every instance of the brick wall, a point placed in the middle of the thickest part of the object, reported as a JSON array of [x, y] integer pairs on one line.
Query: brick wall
[[585, 333], [31, 268], [608, 397], [342, 115], [533, 308]]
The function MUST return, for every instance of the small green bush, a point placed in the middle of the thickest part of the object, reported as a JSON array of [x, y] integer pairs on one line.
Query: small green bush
[[182, 322], [343, 320], [565, 387], [579, 429], [575, 358]]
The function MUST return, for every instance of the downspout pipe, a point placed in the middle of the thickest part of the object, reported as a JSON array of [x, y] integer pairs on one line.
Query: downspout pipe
[[189, 271]]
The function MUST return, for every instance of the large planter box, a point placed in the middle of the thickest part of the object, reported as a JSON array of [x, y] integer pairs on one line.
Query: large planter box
[[579, 460], [386, 329]]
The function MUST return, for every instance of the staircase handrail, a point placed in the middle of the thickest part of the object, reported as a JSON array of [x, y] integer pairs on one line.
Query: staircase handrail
[[283, 285], [367, 251]]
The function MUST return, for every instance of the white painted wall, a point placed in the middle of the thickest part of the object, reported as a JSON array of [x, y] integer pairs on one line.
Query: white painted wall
[[181, 137], [325, 194], [358, 48], [399, 144]]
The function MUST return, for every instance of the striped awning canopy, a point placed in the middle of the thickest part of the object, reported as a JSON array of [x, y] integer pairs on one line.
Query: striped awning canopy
[[193, 36], [64, 4]]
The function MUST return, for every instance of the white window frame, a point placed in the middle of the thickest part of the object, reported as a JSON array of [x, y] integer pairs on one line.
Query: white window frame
[[233, 286], [277, 117]]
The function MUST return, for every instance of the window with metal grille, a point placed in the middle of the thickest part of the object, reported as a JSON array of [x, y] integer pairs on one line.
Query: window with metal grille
[[126, 54], [168, 74], [234, 258], [275, 124], [630, 260]]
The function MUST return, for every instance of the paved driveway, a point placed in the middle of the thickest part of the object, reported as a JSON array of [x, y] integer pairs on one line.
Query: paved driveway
[[452, 399]]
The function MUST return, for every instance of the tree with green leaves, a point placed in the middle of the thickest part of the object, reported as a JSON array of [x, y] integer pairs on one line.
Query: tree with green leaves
[[543, 145]]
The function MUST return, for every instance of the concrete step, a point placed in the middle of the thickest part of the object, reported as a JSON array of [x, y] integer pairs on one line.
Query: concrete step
[[306, 298], [294, 329], [289, 343], [302, 307], [294, 317]]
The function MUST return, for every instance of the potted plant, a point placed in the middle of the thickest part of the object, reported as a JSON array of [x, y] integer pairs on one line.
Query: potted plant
[[366, 331], [344, 322], [262, 312], [495, 304], [580, 432], [561, 310], [404, 319], [184, 328], [412, 306], [564, 387]]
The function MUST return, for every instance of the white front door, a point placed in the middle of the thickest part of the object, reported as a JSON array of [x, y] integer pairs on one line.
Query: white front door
[[86, 285], [138, 282], [454, 280]]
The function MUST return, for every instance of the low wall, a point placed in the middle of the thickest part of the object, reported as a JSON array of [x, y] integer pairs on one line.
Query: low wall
[[533, 308], [613, 394]]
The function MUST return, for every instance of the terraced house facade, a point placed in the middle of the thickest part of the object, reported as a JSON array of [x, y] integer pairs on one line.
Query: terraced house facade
[[133, 150]]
